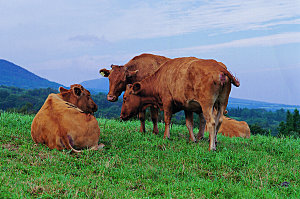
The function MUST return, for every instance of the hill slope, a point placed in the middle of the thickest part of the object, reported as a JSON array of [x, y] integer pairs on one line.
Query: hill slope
[[13, 75], [143, 165]]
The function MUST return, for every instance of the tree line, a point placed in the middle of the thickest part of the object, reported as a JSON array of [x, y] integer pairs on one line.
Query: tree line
[[261, 121]]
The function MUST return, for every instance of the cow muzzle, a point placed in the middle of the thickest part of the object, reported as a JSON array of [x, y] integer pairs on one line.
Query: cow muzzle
[[123, 118], [95, 108], [112, 98]]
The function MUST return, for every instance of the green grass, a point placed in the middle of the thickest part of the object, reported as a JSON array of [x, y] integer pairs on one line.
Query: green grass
[[135, 165]]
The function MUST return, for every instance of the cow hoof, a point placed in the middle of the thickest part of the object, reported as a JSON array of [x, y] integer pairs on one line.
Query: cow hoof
[[212, 149], [193, 141], [101, 146]]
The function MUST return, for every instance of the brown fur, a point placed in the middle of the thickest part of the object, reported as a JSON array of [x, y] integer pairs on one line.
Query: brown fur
[[135, 70], [234, 128], [189, 84], [65, 121]]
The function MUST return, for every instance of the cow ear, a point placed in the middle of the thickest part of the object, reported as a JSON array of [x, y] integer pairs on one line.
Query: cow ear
[[131, 73], [113, 66], [104, 72], [62, 89], [77, 91], [136, 88]]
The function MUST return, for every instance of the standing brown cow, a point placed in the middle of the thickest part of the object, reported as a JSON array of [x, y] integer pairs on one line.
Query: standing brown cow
[[66, 121], [135, 70], [189, 84]]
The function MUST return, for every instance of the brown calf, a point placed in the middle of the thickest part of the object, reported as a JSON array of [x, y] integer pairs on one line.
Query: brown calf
[[65, 121], [189, 84], [233, 128], [135, 70]]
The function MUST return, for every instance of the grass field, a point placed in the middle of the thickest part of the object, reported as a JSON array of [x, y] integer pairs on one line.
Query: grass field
[[135, 165]]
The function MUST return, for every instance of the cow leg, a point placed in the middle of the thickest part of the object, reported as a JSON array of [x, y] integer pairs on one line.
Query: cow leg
[[168, 116], [211, 127], [142, 119], [219, 119], [202, 124], [154, 118], [189, 124]]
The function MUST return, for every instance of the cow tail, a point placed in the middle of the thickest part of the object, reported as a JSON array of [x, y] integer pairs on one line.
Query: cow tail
[[65, 140], [233, 79]]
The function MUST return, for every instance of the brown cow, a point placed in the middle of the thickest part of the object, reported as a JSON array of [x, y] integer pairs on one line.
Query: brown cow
[[134, 71], [66, 121], [189, 84], [233, 128]]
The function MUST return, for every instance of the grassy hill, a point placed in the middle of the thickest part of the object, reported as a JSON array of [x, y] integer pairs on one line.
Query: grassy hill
[[13, 75], [135, 165]]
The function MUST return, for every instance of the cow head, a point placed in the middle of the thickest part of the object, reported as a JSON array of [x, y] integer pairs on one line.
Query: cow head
[[80, 97], [118, 78], [131, 103]]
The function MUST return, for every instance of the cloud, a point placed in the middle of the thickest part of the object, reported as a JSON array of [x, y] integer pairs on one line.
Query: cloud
[[270, 40], [90, 39], [77, 69], [117, 21], [170, 18], [272, 69]]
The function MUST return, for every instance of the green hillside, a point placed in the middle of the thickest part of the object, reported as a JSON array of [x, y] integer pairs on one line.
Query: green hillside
[[13, 75], [29, 101], [135, 165]]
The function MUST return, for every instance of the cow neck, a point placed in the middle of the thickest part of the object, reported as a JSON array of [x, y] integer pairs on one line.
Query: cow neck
[[149, 92], [149, 100], [70, 105]]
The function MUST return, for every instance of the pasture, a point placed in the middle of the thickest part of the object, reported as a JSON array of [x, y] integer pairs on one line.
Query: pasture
[[135, 165]]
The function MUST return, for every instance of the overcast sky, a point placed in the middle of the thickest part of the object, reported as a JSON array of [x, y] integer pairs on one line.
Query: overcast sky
[[69, 41]]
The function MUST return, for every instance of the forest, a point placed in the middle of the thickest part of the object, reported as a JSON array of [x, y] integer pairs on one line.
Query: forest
[[276, 123]]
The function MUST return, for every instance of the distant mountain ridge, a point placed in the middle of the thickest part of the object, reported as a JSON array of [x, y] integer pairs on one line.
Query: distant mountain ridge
[[96, 85], [252, 104], [102, 85], [14, 75]]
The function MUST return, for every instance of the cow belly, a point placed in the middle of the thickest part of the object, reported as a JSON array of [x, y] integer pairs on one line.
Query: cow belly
[[192, 105], [83, 134]]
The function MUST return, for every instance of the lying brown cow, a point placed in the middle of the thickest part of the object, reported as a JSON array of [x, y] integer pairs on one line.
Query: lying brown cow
[[233, 128], [189, 84], [65, 121], [135, 70]]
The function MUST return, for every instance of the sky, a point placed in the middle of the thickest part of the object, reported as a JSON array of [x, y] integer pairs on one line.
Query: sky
[[69, 41]]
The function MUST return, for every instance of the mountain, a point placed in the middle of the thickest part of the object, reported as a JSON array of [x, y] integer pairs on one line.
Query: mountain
[[252, 104], [13, 75], [96, 85], [102, 85]]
